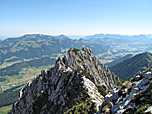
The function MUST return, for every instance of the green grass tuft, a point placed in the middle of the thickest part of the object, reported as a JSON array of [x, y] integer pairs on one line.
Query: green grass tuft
[[75, 51], [142, 109], [85, 73], [101, 90]]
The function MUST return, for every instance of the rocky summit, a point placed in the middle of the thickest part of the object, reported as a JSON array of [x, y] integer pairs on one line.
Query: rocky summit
[[76, 84]]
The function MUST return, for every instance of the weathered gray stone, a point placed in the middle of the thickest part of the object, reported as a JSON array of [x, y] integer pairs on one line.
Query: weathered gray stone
[[63, 85], [136, 95], [148, 75], [149, 110]]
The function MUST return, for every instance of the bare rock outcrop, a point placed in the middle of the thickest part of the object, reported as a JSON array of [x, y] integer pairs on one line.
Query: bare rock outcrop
[[133, 97], [75, 84]]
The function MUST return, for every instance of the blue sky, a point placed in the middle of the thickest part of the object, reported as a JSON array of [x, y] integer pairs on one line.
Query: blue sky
[[75, 17]]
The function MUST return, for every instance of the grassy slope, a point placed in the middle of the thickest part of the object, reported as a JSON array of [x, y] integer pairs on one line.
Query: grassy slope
[[23, 71], [15, 68], [5, 109]]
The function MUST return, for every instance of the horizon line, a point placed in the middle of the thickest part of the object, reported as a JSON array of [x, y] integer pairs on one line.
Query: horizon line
[[75, 34]]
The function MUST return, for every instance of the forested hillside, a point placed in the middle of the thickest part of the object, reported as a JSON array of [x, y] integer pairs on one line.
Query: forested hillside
[[110, 64], [128, 68]]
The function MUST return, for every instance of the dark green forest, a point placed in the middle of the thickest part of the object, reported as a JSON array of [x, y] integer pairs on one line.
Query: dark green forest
[[128, 68]]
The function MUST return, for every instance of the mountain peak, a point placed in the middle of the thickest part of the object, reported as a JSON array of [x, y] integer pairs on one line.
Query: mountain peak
[[32, 35], [86, 60], [77, 81], [61, 36]]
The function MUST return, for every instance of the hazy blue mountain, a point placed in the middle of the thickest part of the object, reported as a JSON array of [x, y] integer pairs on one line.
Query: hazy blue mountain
[[124, 43], [118, 36], [61, 36], [76, 36], [3, 38], [106, 35]]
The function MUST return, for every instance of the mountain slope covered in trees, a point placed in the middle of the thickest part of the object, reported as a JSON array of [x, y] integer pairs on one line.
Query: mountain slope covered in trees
[[128, 68], [110, 64]]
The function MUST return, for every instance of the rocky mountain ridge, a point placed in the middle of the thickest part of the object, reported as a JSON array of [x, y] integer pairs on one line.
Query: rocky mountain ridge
[[133, 97], [76, 84]]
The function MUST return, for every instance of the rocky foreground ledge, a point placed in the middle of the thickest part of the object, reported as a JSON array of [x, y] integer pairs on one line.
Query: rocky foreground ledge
[[76, 84], [132, 97]]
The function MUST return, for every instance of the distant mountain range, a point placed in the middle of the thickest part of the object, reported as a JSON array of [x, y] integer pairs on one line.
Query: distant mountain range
[[37, 45], [128, 68], [32, 46], [124, 43], [116, 36]]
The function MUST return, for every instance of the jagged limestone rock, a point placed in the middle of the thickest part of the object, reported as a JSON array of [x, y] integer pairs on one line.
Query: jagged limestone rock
[[134, 97], [71, 86]]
